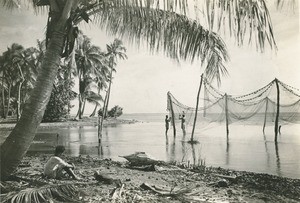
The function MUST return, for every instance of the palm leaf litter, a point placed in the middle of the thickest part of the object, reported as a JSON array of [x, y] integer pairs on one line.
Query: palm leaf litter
[[48, 193]]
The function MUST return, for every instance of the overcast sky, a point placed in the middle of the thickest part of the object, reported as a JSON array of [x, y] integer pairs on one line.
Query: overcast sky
[[142, 82]]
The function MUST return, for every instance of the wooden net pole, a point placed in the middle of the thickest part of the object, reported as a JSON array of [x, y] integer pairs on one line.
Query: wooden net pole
[[172, 113], [226, 116], [195, 119], [277, 113]]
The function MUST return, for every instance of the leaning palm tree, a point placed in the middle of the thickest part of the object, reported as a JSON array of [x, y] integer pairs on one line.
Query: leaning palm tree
[[163, 24]]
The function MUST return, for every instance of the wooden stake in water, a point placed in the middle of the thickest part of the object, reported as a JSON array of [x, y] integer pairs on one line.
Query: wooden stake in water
[[277, 113], [197, 103], [226, 116], [99, 128], [172, 113]]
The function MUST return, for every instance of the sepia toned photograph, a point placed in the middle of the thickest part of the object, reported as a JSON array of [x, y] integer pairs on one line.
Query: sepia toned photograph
[[149, 101]]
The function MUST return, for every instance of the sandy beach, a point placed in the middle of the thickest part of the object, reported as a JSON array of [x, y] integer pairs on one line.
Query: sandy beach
[[172, 183]]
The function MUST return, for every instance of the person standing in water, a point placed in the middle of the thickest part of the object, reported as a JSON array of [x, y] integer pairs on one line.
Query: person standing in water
[[182, 118], [167, 121]]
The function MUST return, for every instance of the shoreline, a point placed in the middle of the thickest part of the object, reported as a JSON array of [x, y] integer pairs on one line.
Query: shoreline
[[86, 121], [185, 184]]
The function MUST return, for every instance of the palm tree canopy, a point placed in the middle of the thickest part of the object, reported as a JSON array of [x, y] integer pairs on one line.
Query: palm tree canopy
[[165, 25], [87, 56]]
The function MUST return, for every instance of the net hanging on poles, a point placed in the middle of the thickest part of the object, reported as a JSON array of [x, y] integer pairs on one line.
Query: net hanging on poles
[[258, 107]]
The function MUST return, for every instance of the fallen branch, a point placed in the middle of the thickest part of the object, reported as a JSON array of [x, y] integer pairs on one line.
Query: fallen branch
[[143, 168], [165, 192], [230, 178], [117, 192]]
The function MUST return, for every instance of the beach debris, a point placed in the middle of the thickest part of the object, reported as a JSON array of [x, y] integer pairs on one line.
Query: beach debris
[[232, 179], [141, 159], [49, 193], [220, 183], [106, 179], [117, 192], [151, 167], [166, 191]]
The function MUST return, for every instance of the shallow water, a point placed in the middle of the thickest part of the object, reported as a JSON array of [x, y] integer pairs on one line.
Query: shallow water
[[248, 149]]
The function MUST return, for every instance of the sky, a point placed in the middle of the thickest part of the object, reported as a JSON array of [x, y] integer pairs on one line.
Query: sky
[[142, 81]]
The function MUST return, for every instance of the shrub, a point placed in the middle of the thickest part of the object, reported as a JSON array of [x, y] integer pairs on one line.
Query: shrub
[[115, 112]]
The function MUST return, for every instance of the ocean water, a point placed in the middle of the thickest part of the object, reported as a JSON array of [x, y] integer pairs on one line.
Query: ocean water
[[247, 149]]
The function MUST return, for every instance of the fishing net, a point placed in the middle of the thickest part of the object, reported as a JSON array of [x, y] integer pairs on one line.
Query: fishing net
[[258, 107]]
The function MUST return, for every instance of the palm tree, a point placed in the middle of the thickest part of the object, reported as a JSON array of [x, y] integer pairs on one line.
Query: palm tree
[[11, 65], [101, 78], [115, 51], [26, 63], [88, 57], [163, 24]]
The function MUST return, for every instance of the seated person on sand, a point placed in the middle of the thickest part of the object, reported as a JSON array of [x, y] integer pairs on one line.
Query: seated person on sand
[[56, 167]]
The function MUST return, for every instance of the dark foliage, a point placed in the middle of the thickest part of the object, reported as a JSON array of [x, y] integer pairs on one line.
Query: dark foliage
[[115, 112], [59, 105]]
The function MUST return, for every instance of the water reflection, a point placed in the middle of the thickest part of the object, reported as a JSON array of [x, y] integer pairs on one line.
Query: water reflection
[[100, 150], [227, 153], [172, 153], [167, 144], [277, 159], [245, 152], [193, 153], [267, 151]]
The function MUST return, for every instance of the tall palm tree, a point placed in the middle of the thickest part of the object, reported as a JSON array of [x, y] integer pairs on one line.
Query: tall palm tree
[[101, 79], [11, 66], [163, 24], [88, 57], [115, 51], [26, 63]]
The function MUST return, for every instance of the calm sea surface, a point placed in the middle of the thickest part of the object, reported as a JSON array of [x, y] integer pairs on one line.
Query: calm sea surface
[[248, 148]]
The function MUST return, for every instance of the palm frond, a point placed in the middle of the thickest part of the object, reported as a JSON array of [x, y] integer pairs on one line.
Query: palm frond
[[178, 36], [93, 97], [11, 4], [243, 18], [62, 193], [289, 5]]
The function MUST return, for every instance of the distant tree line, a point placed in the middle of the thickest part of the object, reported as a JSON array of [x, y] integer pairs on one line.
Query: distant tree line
[[92, 67]]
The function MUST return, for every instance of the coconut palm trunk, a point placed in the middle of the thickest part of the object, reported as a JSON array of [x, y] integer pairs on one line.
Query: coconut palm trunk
[[108, 94], [83, 107], [94, 111], [3, 97], [8, 100], [19, 140], [96, 106], [19, 94]]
